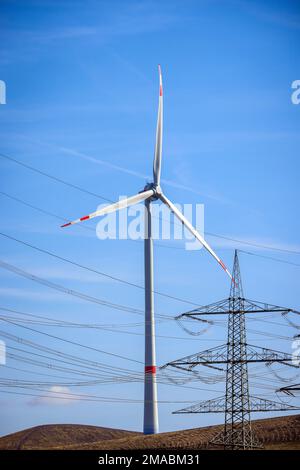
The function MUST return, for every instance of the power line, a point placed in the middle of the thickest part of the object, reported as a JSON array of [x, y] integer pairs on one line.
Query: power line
[[45, 212], [64, 355], [9, 382], [33, 372], [79, 188], [75, 360], [84, 397], [69, 359], [127, 378], [80, 226], [72, 292], [86, 372], [69, 395], [54, 178], [60, 323], [92, 270], [50, 321], [257, 245], [108, 379], [269, 258], [110, 276], [74, 342], [56, 322]]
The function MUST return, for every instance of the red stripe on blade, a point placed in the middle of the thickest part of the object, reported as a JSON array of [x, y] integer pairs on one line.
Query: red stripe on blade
[[66, 225], [223, 265], [150, 369], [160, 90], [84, 218]]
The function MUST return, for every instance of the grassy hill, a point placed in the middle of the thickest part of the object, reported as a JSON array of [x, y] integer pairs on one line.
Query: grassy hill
[[61, 435], [275, 433]]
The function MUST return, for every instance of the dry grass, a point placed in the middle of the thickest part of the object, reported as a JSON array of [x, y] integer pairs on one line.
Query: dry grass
[[60, 435], [276, 433]]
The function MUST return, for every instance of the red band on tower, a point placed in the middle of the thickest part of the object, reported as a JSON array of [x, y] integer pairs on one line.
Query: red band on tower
[[150, 369]]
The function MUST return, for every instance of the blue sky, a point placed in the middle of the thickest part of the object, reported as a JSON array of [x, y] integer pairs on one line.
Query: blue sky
[[82, 90]]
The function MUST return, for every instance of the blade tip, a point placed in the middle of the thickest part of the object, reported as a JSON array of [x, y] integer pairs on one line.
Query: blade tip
[[65, 225]]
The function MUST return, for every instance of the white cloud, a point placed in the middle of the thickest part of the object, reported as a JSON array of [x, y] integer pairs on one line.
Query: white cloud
[[56, 395]]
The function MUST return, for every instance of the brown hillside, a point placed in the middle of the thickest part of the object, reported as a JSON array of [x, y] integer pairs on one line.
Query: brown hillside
[[275, 433], [53, 435], [281, 432]]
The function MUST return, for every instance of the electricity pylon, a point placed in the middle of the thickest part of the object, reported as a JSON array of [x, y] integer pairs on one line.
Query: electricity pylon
[[237, 428], [236, 354]]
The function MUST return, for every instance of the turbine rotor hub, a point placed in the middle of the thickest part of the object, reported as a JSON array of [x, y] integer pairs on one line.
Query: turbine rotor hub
[[156, 188]]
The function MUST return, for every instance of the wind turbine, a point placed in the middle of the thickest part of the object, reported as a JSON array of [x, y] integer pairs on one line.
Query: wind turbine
[[152, 192]]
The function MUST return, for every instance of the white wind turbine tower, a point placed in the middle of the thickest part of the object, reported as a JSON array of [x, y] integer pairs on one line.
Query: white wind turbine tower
[[152, 192]]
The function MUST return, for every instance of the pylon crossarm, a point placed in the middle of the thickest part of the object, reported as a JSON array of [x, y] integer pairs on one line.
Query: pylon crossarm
[[218, 355], [259, 354], [218, 405], [204, 358], [253, 306], [261, 404], [189, 366], [223, 308], [289, 389]]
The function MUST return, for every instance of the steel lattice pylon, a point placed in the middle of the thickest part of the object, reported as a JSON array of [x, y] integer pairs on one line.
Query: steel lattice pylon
[[237, 432], [237, 404]]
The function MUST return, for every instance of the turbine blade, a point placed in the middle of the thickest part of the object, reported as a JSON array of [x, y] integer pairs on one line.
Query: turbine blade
[[194, 232], [115, 207], [159, 130]]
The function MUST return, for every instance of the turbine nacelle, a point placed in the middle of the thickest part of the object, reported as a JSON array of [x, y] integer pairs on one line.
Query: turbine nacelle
[[157, 191]]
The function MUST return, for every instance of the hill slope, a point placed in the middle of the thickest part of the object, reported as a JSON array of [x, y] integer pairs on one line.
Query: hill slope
[[275, 433], [54, 435]]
